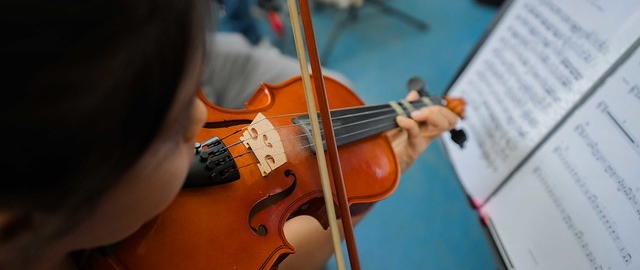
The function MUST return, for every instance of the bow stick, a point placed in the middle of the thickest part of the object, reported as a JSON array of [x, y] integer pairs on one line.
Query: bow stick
[[332, 148]]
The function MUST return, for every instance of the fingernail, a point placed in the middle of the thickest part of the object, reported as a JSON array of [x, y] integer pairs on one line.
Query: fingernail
[[415, 114]]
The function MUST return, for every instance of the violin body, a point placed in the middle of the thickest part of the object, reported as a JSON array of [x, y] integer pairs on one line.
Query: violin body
[[239, 225]]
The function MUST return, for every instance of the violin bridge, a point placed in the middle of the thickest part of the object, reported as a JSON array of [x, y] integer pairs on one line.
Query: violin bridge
[[261, 138]]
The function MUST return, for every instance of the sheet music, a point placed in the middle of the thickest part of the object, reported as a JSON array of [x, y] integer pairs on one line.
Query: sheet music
[[539, 60], [576, 203]]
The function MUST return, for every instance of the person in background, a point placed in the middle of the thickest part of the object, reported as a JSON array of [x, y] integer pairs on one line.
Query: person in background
[[238, 18]]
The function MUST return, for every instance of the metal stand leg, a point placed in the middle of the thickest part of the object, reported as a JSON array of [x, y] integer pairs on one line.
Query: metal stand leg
[[400, 14], [352, 16]]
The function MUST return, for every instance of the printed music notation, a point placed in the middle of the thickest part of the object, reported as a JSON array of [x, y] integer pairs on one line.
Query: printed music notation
[[572, 227], [551, 160], [592, 198], [537, 62], [577, 198]]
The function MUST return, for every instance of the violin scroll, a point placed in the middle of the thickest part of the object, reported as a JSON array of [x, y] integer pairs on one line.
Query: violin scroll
[[456, 105]]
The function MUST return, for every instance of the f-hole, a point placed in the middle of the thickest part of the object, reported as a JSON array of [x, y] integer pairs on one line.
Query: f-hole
[[270, 200]]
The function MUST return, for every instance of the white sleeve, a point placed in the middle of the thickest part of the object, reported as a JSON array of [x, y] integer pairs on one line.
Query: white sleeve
[[234, 69]]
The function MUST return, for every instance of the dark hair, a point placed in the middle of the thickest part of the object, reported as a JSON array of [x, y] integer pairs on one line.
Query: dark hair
[[87, 85]]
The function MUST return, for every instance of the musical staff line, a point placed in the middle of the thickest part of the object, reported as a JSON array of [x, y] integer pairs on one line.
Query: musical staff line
[[604, 108]]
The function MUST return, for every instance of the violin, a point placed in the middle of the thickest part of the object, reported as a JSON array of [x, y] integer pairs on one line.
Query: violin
[[255, 169]]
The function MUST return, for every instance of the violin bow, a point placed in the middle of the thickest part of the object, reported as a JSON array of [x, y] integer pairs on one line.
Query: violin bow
[[332, 148]]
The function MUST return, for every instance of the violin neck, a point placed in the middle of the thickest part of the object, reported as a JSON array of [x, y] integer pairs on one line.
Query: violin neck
[[356, 123]]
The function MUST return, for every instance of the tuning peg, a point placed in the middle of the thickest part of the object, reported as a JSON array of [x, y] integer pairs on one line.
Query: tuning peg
[[458, 136], [415, 83]]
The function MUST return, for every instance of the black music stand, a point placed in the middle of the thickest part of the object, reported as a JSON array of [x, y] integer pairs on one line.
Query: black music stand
[[352, 16]]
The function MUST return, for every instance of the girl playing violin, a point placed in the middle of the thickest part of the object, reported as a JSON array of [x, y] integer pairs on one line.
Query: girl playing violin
[[100, 114]]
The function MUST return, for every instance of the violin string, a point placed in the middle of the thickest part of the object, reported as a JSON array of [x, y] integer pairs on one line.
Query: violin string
[[301, 147], [235, 143], [374, 119], [393, 114], [369, 128], [238, 168], [363, 113], [230, 134], [304, 135], [309, 145], [274, 141], [345, 135], [382, 117], [249, 151], [259, 134], [252, 124]]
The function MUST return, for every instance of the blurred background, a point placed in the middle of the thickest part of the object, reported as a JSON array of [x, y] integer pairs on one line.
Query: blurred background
[[378, 45]]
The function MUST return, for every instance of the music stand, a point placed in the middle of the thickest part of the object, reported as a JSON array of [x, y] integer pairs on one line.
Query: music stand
[[352, 16]]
